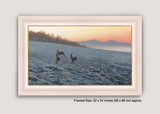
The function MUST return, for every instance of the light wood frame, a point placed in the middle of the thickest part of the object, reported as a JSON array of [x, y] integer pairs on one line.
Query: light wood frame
[[134, 89]]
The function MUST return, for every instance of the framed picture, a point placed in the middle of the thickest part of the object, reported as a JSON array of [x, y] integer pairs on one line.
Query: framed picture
[[79, 55]]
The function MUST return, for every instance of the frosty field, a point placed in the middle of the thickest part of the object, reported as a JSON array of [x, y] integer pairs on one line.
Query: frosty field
[[93, 66]]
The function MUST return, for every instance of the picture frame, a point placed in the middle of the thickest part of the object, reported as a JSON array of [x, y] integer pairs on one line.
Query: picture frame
[[78, 90]]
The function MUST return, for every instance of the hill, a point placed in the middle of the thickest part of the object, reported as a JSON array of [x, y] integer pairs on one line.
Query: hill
[[107, 45], [50, 38]]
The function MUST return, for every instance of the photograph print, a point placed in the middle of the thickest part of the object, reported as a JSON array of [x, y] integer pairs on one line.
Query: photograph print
[[80, 55]]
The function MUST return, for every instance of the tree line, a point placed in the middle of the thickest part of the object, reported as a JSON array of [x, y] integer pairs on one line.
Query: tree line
[[41, 36]]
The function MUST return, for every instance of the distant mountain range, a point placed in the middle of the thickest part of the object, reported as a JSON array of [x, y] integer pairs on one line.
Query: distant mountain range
[[107, 45]]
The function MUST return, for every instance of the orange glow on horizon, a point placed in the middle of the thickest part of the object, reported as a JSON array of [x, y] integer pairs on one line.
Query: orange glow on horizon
[[121, 33]]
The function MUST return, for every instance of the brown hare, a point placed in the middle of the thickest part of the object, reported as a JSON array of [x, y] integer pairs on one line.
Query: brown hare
[[60, 53], [57, 58], [73, 58]]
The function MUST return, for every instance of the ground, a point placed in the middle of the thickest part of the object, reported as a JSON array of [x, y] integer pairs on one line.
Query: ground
[[93, 66]]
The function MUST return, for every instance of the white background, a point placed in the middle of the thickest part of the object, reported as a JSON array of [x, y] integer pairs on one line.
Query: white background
[[10, 103]]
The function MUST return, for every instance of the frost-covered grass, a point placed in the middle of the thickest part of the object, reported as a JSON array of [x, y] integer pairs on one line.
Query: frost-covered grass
[[93, 67]]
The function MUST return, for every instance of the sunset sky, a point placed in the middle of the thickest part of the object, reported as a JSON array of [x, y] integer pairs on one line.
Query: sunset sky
[[84, 33]]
